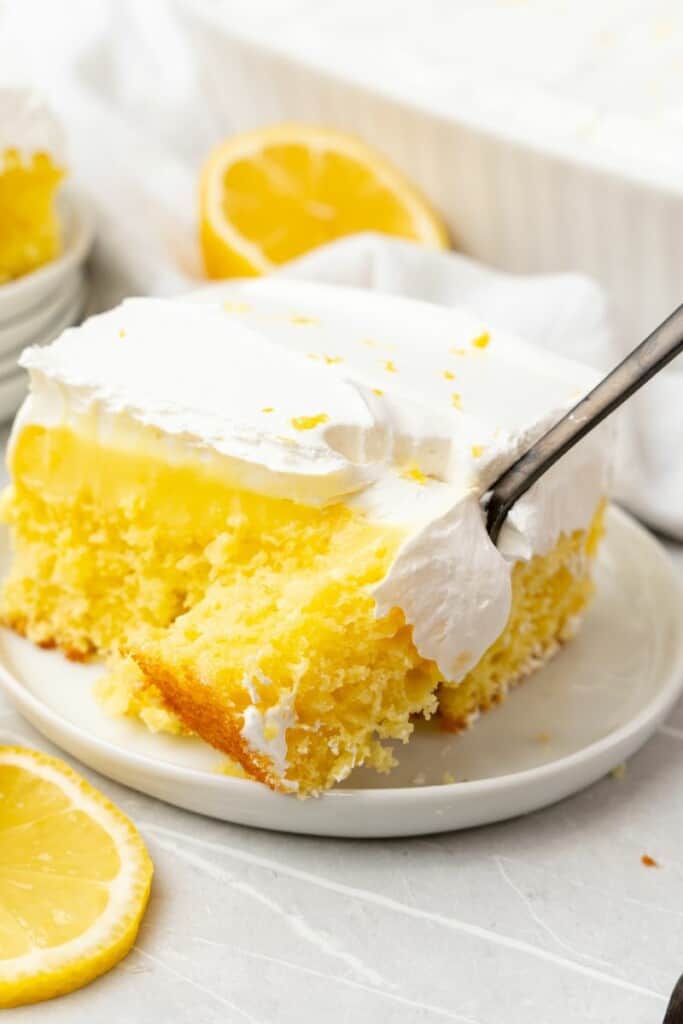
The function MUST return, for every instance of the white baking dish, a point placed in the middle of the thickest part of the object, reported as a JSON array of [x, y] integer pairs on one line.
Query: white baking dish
[[524, 180]]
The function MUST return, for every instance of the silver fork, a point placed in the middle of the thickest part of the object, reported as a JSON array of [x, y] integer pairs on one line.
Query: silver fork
[[647, 359]]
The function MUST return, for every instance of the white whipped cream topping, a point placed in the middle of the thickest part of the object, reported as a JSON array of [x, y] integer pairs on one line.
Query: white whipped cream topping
[[438, 574], [393, 387], [266, 734], [28, 125], [238, 396]]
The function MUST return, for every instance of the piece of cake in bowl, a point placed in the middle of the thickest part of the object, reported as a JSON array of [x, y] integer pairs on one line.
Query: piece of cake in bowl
[[268, 509], [31, 169]]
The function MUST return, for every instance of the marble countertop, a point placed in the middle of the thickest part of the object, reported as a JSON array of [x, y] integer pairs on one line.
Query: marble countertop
[[548, 918]]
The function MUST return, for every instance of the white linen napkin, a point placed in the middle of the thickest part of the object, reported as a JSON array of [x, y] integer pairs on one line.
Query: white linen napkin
[[135, 123]]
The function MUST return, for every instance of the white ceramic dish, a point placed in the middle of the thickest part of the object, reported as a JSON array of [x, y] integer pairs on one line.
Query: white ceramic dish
[[17, 298], [524, 158], [67, 313], [14, 380], [589, 709], [36, 321]]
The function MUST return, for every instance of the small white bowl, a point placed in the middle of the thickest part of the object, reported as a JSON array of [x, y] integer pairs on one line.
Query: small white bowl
[[22, 330], [14, 379], [67, 315], [31, 290]]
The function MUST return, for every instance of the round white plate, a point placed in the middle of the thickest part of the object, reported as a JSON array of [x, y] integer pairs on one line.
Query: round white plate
[[568, 725], [30, 291]]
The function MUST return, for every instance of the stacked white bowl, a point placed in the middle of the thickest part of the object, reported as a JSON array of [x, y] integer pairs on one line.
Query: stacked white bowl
[[36, 308]]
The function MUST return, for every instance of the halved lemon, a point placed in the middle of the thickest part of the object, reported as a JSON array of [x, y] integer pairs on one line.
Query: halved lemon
[[270, 195], [74, 879]]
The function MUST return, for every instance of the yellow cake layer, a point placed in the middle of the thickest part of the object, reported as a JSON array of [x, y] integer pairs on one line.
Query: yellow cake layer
[[215, 599], [29, 228], [549, 594], [111, 548]]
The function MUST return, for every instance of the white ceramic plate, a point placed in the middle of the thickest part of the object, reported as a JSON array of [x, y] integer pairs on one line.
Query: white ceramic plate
[[571, 723], [67, 313], [31, 290], [20, 331], [14, 380]]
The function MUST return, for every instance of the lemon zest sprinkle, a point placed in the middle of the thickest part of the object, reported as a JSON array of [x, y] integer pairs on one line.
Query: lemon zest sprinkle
[[309, 422]]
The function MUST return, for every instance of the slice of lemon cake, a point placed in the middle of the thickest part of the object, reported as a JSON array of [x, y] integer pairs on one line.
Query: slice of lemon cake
[[268, 510], [31, 168]]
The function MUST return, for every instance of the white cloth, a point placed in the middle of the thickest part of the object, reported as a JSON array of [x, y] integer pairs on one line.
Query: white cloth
[[137, 131]]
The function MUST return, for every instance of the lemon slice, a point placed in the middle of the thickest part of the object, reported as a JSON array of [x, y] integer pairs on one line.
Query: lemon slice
[[74, 879], [270, 195]]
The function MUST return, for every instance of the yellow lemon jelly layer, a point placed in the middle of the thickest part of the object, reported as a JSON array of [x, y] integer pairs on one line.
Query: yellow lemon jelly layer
[[29, 228]]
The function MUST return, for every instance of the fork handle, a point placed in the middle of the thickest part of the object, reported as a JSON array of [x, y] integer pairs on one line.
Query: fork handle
[[647, 359]]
